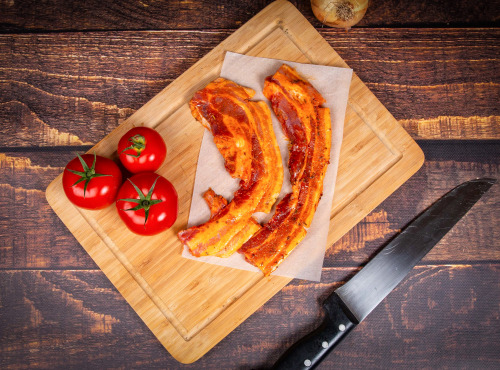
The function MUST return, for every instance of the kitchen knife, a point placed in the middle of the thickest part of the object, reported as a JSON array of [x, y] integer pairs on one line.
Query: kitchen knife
[[348, 305]]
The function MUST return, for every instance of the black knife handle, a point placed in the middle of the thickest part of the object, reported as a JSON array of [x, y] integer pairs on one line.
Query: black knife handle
[[309, 351]]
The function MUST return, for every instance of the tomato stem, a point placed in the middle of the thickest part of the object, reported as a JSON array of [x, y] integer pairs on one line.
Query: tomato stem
[[87, 174], [138, 144], [144, 202]]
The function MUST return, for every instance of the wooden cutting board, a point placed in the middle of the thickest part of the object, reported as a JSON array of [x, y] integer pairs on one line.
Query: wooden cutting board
[[190, 306]]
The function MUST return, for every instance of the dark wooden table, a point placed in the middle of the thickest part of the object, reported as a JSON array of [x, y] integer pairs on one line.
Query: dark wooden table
[[72, 71]]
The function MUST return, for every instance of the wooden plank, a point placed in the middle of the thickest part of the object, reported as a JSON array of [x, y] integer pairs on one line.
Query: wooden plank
[[50, 343], [474, 238], [433, 302], [73, 89], [28, 15], [42, 241], [31, 235], [429, 75], [417, 325], [191, 306]]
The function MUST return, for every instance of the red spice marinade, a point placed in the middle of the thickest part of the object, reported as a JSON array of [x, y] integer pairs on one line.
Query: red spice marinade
[[296, 104], [215, 202], [243, 133]]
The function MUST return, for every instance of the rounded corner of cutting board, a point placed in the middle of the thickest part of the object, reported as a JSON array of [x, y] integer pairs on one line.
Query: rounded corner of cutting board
[[421, 155], [415, 152], [185, 358]]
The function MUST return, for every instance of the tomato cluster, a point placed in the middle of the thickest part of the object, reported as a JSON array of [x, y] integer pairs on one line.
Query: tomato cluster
[[146, 201]]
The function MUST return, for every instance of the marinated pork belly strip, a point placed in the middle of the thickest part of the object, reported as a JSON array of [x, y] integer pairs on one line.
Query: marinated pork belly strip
[[243, 133], [248, 228], [215, 203], [286, 90], [308, 127], [232, 140]]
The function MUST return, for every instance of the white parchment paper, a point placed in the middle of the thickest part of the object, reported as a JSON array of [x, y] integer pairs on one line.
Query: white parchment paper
[[306, 260]]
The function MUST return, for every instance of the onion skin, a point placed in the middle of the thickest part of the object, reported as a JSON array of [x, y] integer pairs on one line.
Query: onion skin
[[339, 13]]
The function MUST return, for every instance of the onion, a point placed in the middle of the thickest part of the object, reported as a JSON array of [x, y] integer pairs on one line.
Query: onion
[[339, 13]]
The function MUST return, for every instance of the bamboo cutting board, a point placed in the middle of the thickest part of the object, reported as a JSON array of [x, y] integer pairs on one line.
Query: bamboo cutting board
[[190, 306]]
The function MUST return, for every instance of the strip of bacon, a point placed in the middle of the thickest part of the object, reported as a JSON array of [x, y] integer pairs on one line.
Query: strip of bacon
[[215, 203], [243, 133], [248, 228], [296, 103]]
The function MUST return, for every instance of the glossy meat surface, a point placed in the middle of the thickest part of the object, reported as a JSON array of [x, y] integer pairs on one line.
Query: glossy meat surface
[[243, 133], [215, 202], [308, 127]]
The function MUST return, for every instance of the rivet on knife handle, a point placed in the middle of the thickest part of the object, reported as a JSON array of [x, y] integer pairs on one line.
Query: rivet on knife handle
[[308, 352]]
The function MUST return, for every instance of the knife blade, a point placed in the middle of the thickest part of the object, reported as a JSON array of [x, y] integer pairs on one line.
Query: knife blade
[[351, 303]]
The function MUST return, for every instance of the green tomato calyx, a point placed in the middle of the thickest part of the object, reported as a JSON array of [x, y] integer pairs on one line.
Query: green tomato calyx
[[144, 202], [138, 144], [87, 174]]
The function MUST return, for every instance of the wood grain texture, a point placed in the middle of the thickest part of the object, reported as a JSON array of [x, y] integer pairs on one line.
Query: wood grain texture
[[470, 241], [73, 89], [31, 235], [437, 87], [42, 241], [30, 15], [410, 329], [190, 306]]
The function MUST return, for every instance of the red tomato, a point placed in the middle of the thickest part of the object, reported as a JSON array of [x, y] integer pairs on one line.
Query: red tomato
[[142, 149], [147, 203], [91, 181]]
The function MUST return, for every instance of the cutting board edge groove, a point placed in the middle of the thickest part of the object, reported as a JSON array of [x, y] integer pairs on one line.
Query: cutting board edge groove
[[143, 284]]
